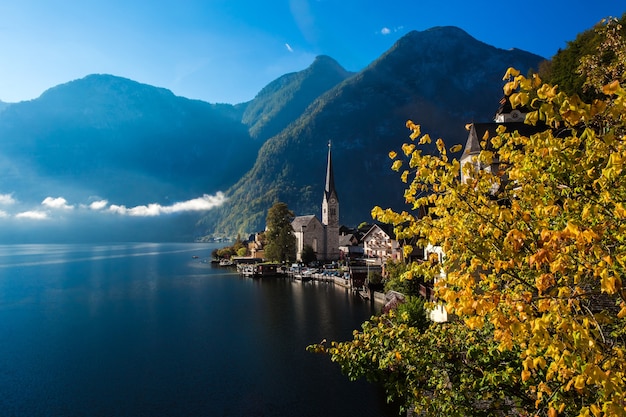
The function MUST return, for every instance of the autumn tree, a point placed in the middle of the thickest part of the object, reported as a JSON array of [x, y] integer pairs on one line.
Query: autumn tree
[[535, 255], [280, 239]]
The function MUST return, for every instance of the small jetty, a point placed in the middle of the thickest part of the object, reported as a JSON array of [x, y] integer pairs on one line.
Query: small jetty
[[335, 276], [353, 278]]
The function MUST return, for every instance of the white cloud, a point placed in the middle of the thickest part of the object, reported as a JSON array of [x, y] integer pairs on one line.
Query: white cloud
[[56, 203], [206, 202], [98, 205], [386, 30], [7, 199], [150, 210], [289, 48], [32, 214]]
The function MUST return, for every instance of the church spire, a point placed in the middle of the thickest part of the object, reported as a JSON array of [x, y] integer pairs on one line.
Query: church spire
[[330, 177]]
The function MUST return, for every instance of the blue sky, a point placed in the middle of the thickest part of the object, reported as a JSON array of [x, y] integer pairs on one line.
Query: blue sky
[[227, 50]]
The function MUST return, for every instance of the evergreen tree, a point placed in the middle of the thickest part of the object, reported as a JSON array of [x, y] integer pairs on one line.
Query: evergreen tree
[[564, 69], [281, 241]]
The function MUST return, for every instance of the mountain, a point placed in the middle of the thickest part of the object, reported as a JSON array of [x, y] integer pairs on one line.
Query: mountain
[[122, 140], [441, 78], [283, 100], [104, 137]]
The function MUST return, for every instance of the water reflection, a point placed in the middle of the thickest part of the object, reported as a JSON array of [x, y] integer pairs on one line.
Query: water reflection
[[51, 254], [164, 333]]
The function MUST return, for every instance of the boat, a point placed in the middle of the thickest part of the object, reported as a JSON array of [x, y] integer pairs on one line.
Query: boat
[[248, 270], [303, 275], [226, 262]]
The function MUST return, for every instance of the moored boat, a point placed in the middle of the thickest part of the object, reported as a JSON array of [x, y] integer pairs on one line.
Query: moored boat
[[226, 262]]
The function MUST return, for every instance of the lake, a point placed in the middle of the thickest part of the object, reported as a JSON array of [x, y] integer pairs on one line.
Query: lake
[[148, 330]]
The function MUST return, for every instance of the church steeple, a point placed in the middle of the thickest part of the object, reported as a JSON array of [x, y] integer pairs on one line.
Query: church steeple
[[330, 177], [330, 203]]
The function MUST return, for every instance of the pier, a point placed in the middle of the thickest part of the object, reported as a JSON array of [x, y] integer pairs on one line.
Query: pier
[[353, 278]]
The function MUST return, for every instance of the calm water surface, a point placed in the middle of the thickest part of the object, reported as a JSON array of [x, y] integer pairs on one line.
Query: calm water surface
[[147, 330]]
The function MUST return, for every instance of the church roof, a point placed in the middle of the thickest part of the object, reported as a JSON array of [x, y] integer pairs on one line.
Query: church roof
[[478, 130], [301, 221], [346, 240]]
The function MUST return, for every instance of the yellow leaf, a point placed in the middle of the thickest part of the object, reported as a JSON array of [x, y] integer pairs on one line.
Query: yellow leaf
[[396, 165], [579, 382], [595, 410], [611, 88], [539, 362], [532, 117], [408, 148], [607, 283], [572, 228], [474, 322], [392, 155], [525, 375], [510, 72], [415, 129], [440, 145]]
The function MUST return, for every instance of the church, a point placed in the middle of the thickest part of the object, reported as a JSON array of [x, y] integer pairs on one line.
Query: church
[[322, 236]]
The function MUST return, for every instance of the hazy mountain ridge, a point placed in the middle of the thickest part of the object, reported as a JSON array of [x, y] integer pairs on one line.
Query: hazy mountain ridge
[[108, 133], [441, 78]]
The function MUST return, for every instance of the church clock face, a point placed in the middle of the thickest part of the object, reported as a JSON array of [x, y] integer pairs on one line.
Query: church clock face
[[332, 201]]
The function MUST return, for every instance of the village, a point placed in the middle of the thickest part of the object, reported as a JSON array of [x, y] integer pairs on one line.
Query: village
[[357, 258]]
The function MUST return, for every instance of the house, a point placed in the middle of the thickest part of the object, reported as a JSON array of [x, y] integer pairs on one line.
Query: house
[[349, 246], [322, 236], [512, 119], [256, 246], [380, 243]]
